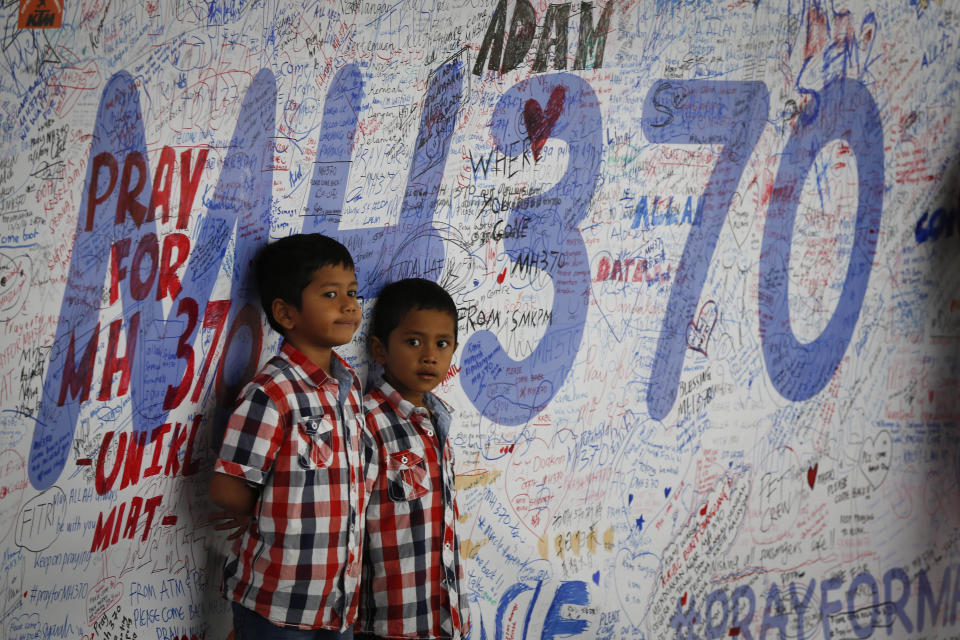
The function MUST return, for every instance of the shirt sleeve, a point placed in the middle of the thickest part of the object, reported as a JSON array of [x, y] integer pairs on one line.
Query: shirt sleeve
[[252, 438]]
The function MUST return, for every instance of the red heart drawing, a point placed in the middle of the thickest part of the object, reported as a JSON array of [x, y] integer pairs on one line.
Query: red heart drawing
[[812, 475], [703, 511], [540, 125]]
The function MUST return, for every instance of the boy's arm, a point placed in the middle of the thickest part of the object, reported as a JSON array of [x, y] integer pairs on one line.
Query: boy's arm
[[232, 494], [237, 500], [246, 456]]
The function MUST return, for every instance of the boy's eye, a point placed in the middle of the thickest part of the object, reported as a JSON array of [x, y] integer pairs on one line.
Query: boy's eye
[[330, 294], [413, 342], [352, 293], [443, 344]]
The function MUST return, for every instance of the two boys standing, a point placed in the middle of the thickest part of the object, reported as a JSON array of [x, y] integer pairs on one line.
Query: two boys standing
[[342, 510]]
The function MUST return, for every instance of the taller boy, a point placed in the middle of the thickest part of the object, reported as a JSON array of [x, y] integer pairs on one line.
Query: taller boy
[[289, 468]]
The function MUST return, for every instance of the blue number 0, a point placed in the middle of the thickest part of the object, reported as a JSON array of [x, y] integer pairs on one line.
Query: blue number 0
[[846, 111]]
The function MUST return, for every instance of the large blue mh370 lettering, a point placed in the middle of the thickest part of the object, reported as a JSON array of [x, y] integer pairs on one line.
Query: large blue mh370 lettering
[[161, 362]]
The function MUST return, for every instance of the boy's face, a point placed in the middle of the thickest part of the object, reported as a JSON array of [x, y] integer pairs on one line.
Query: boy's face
[[328, 316], [418, 352]]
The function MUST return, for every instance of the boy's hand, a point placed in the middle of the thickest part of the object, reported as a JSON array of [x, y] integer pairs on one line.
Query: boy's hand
[[236, 500], [224, 520]]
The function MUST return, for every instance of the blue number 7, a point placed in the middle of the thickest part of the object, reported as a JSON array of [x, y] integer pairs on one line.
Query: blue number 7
[[699, 112]]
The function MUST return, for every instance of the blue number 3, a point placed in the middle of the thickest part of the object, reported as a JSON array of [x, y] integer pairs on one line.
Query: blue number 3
[[513, 392]]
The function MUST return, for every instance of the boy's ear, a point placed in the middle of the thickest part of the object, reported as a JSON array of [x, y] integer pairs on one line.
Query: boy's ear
[[378, 349], [283, 313]]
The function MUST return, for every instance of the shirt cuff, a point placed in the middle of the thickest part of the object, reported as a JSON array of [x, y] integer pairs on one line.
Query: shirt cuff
[[250, 474]]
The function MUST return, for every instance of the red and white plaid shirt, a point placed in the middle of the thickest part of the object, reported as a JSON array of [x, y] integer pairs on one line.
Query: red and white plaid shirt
[[412, 575], [296, 434]]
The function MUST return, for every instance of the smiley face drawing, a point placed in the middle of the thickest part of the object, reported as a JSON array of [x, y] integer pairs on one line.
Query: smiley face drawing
[[14, 284]]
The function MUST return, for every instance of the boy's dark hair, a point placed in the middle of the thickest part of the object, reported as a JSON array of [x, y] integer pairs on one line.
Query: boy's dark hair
[[284, 268], [400, 297]]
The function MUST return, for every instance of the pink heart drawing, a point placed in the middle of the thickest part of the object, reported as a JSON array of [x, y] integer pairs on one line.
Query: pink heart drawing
[[540, 124], [536, 483]]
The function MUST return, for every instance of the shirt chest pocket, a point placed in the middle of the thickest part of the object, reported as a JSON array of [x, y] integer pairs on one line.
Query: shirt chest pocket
[[315, 443], [407, 475]]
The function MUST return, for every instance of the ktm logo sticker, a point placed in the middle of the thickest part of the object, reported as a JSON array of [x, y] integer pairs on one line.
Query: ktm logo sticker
[[40, 14]]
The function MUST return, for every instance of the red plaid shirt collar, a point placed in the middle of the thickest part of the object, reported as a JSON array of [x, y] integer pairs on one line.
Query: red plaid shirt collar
[[338, 366], [442, 413]]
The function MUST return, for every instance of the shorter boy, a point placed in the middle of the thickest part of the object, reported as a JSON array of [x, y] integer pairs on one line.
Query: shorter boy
[[411, 585], [289, 471]]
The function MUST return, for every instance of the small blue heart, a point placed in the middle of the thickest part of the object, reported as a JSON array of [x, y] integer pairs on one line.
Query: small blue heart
[[666, 492], [596, 578]]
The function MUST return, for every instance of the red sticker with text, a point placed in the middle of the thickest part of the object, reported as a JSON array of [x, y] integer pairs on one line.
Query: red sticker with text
[[40, 14]]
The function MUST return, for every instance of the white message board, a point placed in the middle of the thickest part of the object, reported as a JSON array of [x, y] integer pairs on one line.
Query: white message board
[[704, 255]]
